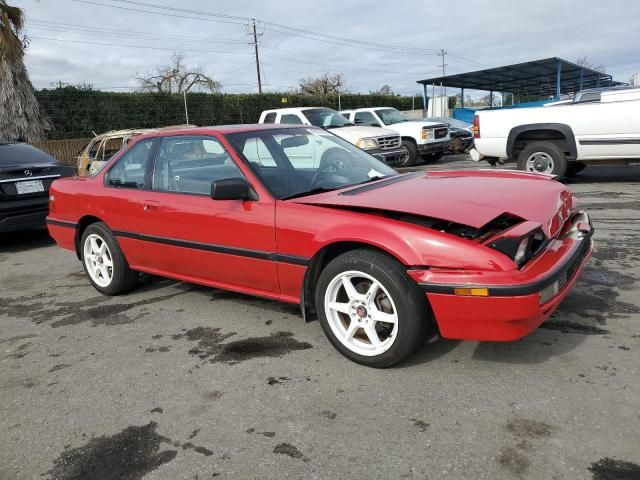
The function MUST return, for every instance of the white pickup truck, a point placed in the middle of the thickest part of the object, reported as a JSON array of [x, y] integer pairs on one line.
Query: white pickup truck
[[430, 140], [598, 126], [382, 143]]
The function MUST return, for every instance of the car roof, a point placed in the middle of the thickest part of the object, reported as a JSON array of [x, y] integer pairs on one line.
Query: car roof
[[225, 129], [295, 109]]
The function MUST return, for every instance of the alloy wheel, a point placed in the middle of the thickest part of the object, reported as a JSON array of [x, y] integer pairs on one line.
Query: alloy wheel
[[98, 260], [361, 313]]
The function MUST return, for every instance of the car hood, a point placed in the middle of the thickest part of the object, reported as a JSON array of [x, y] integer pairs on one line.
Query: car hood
[[357, 131], [472, 198]]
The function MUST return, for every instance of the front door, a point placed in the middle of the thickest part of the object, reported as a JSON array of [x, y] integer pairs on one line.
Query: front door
[[228, 243]]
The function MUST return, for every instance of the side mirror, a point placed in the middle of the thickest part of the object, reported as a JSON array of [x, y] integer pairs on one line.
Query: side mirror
[[232, 189]]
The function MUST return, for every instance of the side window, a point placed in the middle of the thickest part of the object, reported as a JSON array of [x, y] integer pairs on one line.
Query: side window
[[190, 164], [290, 119], [130, 170], [93, 151], [112, 146], [366, 118], [270, 118]]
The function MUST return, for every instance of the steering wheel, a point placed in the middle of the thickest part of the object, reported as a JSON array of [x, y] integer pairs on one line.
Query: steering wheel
[[332, 161]]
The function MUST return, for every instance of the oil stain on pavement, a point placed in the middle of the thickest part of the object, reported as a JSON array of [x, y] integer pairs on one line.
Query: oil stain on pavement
[[130, 455], [290, 450], [525, 432], [211, 348], [612, 469], [95, 310]]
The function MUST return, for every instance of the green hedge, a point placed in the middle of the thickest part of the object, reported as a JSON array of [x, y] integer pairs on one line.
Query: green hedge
[[77, 113]]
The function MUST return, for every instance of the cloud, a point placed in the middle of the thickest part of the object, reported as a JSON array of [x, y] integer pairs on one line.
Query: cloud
[[475, 33]]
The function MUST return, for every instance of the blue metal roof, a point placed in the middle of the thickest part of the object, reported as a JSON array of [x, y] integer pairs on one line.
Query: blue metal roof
[[536, 78]]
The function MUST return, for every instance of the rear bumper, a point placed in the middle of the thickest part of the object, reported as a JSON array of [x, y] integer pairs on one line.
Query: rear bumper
[[63, 232], [23, 214], [514, 305], [390, 157], [434, 147]]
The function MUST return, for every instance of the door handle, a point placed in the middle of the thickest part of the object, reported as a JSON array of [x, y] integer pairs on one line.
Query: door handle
[[149, 205]]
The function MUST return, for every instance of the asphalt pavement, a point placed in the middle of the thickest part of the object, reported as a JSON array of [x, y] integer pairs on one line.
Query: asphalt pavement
[[176, 381]]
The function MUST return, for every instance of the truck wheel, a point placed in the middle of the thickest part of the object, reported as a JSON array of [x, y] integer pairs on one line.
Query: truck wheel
[[543, 157], [370, 310], [413, 154], [574, 168]]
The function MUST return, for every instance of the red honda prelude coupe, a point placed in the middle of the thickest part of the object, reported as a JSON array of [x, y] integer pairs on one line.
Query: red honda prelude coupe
[[299, 215]]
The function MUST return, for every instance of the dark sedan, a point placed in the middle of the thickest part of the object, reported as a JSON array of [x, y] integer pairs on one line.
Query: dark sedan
[[26, 173], [461, 134]]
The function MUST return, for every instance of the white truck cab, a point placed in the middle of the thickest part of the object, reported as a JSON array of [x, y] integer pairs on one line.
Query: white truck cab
[[597, 126], [427, 139], [382, 143]]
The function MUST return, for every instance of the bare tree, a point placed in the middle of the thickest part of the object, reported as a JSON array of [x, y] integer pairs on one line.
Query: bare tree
[[178, 78], [323, 85], [385, 90], [585, 62], [20, 114]]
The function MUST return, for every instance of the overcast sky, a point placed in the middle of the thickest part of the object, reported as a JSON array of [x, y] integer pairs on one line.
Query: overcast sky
[[108, 42]]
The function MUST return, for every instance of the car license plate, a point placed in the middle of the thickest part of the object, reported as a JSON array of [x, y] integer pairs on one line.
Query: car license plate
[[32, 186]]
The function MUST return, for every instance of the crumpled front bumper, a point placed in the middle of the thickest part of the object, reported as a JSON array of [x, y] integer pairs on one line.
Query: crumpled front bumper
[[516, 302]]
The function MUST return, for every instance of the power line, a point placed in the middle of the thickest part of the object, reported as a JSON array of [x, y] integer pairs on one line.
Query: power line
[[217, 17], [92, 29], [138, 46]]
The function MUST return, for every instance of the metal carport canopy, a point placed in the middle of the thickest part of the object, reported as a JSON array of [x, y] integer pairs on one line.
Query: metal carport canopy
[[547, 77]]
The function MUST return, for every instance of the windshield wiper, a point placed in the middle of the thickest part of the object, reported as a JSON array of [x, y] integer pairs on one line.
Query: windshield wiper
[[307, 192], [373, 179]]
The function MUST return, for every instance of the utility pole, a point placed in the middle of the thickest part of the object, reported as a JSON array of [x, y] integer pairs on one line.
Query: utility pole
[[443, 94], [255, 44]]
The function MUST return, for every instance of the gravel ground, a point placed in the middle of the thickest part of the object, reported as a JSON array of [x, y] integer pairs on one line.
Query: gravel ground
[[176, 381]]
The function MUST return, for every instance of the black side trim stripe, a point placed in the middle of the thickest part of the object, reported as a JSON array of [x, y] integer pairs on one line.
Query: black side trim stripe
[[611, 141], [61, 223], [567, 270], [382, 183], [210, 247]]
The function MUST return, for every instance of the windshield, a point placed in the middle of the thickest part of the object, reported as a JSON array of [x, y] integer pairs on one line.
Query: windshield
[[302, 161], [325, 118], [389, 116]]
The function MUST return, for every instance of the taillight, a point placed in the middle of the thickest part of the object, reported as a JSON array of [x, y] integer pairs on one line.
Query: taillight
[[476, 126], [52, 203]]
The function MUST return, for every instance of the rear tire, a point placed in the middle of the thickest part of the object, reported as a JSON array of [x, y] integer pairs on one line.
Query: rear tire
[[104, 263], [370, 310], [543, 157], [412, 148]]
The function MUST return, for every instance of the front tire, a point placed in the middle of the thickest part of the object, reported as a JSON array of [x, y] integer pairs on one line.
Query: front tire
[[104, 263], [412, 148], [370, 310], [543, 157]]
